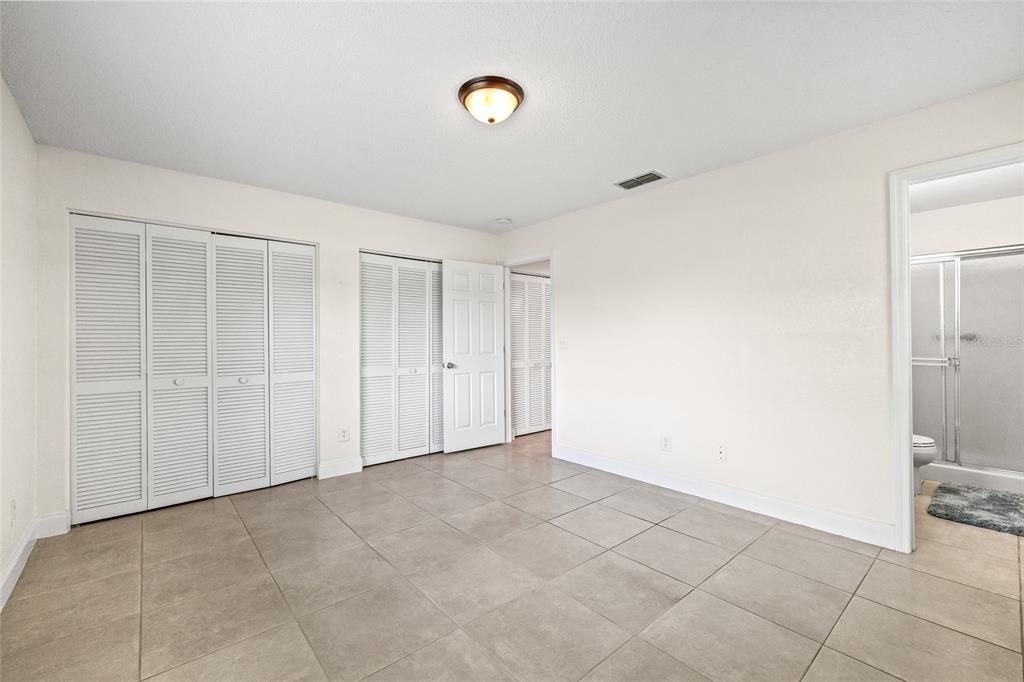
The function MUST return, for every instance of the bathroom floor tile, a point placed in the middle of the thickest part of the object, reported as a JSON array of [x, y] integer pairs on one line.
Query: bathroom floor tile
[[960, 565]]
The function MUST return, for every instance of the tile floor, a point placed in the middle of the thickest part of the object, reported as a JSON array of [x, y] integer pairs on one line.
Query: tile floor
[[504, 564]]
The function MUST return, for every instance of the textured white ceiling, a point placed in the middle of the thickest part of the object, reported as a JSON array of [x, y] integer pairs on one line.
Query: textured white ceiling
[[968, 188], [356, 103]]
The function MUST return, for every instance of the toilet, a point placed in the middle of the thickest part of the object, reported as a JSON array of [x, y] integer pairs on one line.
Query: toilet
[[924, 453]]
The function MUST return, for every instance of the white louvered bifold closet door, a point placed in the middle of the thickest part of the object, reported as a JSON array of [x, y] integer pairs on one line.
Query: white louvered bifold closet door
[[180, 412], [436, 359], [398, 359], [530, 317], [108, 366], [241, 358], [293, 300]]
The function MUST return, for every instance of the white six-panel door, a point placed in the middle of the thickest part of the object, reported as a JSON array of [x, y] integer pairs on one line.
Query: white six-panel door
[[474, 374], [242, 385], [180, 401], [108, 364], [293, 300], [530, 336]]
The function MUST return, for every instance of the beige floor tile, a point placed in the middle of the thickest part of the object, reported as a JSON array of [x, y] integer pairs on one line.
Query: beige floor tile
[[303, 539], [830, 539], [108, 653], [680, 556], [421, 547], [203, 571], [463, 470], [126, 529], [452, 500], [798, 603], [573, 640], [59, 570], [625, 592], [361, 635], [594, 485], [960, 565], [541, 470], [189, 628], [601, 525], [332, 577], [326, 486], [32, 621], [191, 515], [725, 530], [387, 518], [169, 540], [473, 583], [501, 484], [422, 483], [832, 666], [481, 453], [491, 521], [971, 538], [498, 459], [982, 614], [390, 470], [649, 502], [753, 517], [915, 649], [361, 497], [545, 502], [638, 661], [259, 507], [546, 550], [725, 642], [278, 655], [811, 559], [454, 657]]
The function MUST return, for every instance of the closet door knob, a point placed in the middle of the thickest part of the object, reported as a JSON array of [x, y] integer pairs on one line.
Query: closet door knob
[[243, 380], [179, 382]]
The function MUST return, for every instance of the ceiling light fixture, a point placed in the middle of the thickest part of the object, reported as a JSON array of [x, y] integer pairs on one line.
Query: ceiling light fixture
[[491, 99]]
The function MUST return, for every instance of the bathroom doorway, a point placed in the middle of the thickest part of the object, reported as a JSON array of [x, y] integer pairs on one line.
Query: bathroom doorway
[[958, 327]]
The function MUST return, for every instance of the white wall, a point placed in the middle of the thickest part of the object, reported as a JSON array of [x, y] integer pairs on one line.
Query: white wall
[[749, 307], [17, 338], [537, 267], [70, 180], [999, 222]]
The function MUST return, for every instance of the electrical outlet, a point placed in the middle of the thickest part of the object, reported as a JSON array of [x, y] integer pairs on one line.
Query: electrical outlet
[[666, 443], [343, 434], [722, 456]]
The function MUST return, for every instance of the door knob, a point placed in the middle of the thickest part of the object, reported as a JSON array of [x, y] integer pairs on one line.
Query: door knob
[[179, 382], [450, 365], [243, 380]]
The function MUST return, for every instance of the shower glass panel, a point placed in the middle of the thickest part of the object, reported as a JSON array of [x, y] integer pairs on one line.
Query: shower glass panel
[[991, 392], [933, 343]]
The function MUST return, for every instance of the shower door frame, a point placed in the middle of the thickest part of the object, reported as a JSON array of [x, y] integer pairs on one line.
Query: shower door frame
[[901, 537], [952, 361]]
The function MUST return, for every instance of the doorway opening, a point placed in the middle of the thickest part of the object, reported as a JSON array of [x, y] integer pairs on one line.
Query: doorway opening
[[958, 334]]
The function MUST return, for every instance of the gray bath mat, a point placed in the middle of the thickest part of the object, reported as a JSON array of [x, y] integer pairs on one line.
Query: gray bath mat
[[992, 509]]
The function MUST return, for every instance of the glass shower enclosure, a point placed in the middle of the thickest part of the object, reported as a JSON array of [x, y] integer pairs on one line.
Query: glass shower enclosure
[[967, 335]]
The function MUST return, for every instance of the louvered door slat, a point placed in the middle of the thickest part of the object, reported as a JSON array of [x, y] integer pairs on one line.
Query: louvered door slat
[[108, 402], [436, 359], [530, 319], [413, 371], [242, 398], [293, 423], [180, 382]]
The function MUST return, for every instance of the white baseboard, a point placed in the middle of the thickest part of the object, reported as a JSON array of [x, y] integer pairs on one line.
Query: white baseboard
[[339, 467], [41, 527], [865, 530]]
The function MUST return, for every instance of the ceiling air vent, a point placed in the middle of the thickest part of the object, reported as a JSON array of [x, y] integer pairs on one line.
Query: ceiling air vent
[[644, 179]]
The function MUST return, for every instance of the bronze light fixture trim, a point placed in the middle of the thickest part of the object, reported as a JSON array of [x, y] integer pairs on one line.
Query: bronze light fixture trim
[[491, 99]]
